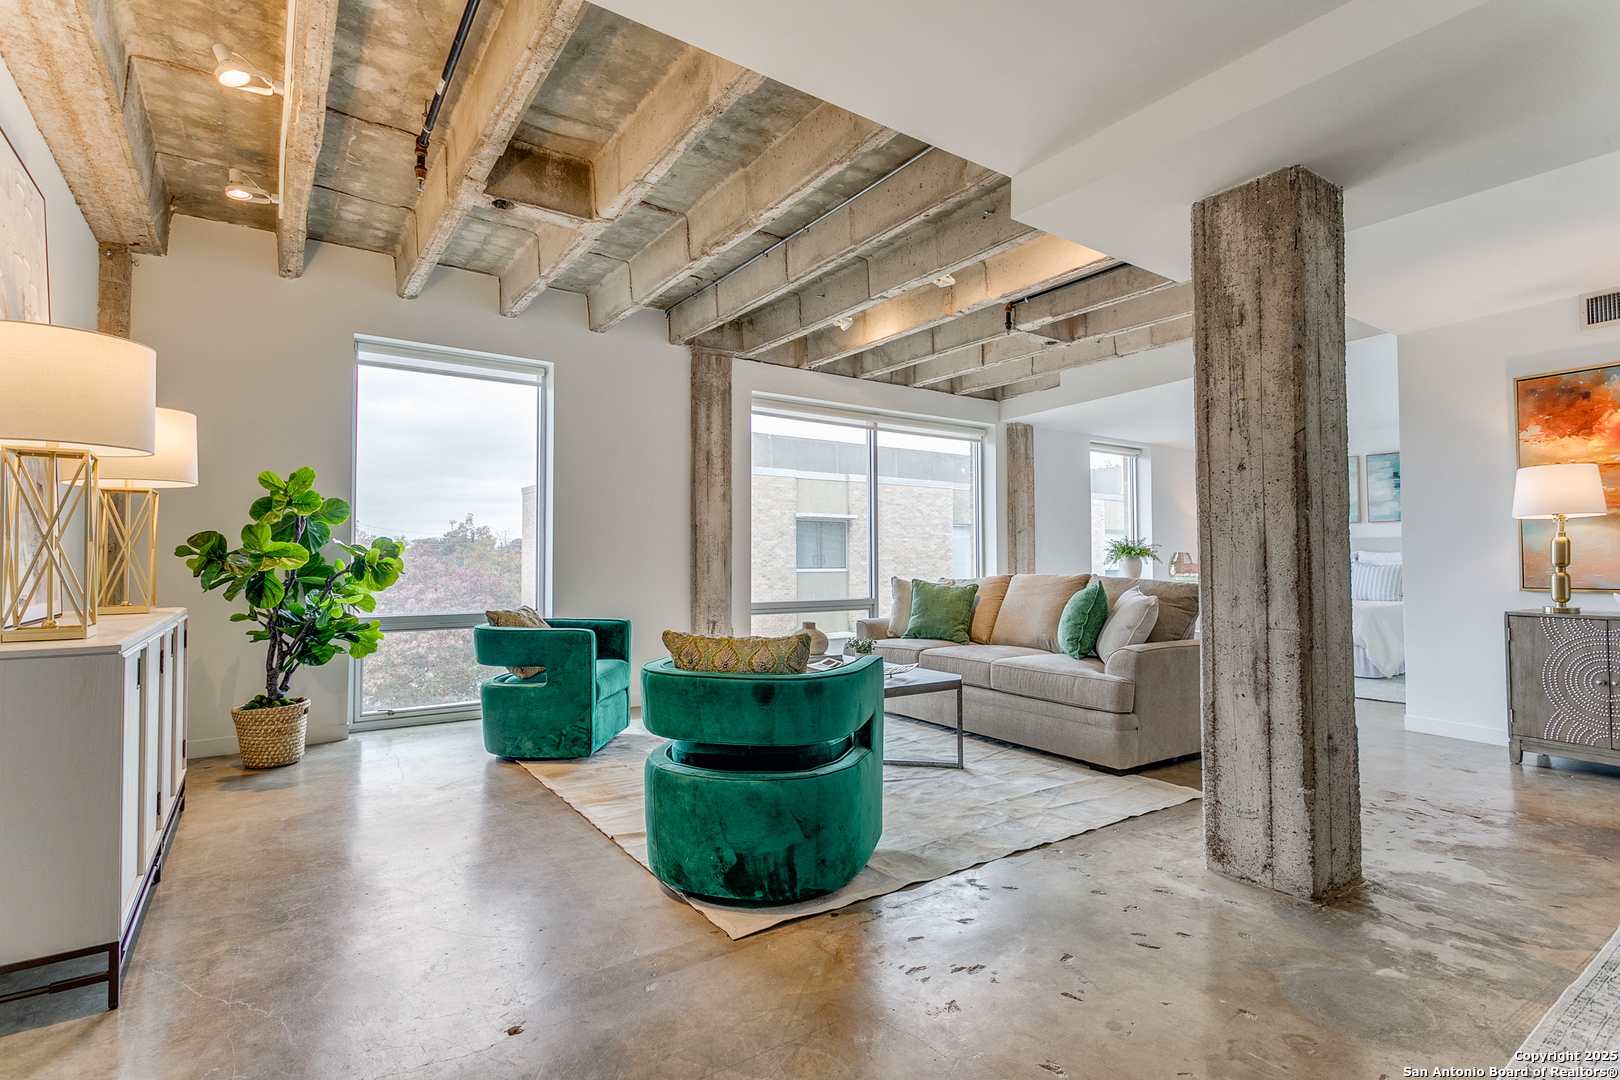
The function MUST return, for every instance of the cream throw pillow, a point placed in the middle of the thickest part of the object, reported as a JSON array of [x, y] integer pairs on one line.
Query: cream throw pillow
[[1129, 623], [1030, 611], [899, 605]]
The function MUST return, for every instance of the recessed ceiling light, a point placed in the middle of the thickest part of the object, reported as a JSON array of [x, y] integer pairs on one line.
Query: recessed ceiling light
[[233, 70], [243, 190], [845, 323], [945, 281]]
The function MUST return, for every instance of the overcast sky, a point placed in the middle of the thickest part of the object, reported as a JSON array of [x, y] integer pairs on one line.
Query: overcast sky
[[434, 448]]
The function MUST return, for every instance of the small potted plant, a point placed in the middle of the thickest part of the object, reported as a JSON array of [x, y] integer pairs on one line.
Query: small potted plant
[[1128, 554], [862, 646], [302, 605]]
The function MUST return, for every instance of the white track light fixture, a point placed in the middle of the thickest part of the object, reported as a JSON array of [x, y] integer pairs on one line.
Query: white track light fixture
[[233, 70], [243, 190], [945, 281], [845, 323]]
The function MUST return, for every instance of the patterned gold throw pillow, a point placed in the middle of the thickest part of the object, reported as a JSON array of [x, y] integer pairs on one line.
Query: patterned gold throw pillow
[[523, 616], [743, 656]]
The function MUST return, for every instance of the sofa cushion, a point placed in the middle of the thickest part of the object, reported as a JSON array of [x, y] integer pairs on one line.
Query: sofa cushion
[[1029, 615], [986, 605], [941, 611], [1178, 604], [1130, 623], [1055, 677], [612, 676], [972, 662], [907, 650]]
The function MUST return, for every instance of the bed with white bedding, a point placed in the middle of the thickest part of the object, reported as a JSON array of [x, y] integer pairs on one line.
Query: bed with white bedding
[[1377, 614]]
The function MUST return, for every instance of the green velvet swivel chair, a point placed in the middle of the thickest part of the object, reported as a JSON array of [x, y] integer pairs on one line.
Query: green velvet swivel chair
[[573, 707], [771, 790]]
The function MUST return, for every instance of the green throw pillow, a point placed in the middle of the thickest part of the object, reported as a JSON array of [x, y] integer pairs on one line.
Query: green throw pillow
[[1082, 620], [941, 611]]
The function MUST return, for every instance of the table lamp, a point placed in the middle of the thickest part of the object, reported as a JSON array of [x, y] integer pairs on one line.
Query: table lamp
[[1559, 492], [1182, 565], [129, 509], [67, 398]]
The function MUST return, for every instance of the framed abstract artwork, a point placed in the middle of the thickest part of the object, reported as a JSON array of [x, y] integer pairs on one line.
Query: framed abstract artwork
[[25, 290], [1384, 487], [1355, 489], [1562, 417]]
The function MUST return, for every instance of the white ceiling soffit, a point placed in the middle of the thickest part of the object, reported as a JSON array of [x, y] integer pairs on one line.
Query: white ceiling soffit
[[1006, 86]]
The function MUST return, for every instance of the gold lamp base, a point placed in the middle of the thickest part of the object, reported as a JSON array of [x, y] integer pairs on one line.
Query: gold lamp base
[[1558, 552], [47, 544], [127, 552]]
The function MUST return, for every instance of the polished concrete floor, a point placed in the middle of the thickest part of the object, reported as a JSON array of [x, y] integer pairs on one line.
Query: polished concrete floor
[[403, 905]]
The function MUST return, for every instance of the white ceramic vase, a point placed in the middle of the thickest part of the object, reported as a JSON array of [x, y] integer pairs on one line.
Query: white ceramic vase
[[1131, 567], [818, 640]]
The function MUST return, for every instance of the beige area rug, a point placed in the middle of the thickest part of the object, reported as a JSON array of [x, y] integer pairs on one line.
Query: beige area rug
[[1584, 1020], [935, 821]]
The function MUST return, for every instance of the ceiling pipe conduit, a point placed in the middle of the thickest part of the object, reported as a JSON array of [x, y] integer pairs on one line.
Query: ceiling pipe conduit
[[431, 114]]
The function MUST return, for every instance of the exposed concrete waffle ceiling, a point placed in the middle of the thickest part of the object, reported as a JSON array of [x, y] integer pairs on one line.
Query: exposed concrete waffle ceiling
[[581, 151]]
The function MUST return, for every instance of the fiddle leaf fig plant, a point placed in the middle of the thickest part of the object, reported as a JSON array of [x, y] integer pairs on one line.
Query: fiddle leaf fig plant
[[300, 603]]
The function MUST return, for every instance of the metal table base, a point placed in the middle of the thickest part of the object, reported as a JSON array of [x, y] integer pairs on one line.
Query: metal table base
[[921, 681]]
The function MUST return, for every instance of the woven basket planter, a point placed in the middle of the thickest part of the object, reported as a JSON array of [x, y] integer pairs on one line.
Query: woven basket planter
[[271, 737]]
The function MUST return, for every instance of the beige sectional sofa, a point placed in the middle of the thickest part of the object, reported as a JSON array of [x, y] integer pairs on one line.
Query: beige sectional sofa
[[1139, 707]]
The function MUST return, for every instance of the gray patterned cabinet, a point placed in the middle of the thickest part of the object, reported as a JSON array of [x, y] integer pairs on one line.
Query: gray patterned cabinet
[[92, 782], [1564, 685]]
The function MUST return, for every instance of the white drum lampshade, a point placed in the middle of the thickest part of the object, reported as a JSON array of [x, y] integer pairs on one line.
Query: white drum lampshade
[[173, 463], [67, 398], [76, 389], [1558, 492], [1550, 491]]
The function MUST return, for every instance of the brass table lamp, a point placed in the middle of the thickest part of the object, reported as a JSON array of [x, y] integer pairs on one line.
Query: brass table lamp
[[1559, 492], [127, 540]]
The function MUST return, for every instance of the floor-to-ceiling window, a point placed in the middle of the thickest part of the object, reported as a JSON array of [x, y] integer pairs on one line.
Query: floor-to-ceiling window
[[843, 501], [1113, 500], [449, 459]]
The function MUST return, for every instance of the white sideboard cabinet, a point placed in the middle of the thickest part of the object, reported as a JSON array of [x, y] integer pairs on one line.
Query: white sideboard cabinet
[[92, 782]]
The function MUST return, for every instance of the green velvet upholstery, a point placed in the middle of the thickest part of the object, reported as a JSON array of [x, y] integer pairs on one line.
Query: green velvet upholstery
[[569, 710], [771, 788]]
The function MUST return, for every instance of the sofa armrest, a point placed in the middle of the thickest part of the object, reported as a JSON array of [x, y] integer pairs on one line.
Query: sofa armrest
[[1168, 707], [612, 635], [872, 628]]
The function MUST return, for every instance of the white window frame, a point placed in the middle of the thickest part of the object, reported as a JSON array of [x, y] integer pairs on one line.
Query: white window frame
[[1133, 485], [469, 364], [872, 422]]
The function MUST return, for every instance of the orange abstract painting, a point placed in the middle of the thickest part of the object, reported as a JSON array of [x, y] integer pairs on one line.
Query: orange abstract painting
[[1573, 416]]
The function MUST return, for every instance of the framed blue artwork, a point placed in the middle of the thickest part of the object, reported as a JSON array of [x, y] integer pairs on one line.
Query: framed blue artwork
[[1384, 487]]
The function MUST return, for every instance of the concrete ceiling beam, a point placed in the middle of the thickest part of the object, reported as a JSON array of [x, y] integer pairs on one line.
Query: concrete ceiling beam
[[899, 202], [522, 49], [543, 186], [814, 151], [1160, 305], [86, 100], [691, 96], [311, 31], [1036, 263], [1076, 354], [1118, 284]]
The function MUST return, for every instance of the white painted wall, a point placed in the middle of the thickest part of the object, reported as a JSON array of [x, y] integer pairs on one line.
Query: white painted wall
[[267, 365], [1171, 510], [1461, 545], [71, 249], [1372, 390], [1062, 502]]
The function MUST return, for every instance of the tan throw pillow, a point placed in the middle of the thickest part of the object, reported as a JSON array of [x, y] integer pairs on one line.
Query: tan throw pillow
[[1034, 602], [739, 656], [1129, 623], [1178, 604], [986, 605], [522, 617]]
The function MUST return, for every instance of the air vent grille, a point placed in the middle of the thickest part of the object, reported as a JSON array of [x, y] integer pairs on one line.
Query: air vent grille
[[1600, 309]]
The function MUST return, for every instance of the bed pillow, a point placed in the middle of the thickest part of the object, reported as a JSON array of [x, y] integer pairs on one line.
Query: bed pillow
[[1372, 581], [1130, 623], [1378, 558]]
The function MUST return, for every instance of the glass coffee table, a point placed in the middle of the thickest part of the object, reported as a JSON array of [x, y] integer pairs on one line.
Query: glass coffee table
[[923, 681]]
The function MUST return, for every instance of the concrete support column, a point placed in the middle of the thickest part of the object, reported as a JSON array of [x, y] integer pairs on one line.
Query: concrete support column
[[1281, 785], [113, 289], [1020, 499], [711, 493]]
